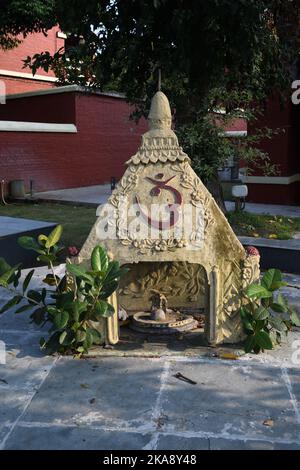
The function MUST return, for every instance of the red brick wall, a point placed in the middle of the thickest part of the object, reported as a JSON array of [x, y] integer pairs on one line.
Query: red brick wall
[[283, 149], [105, 140], [12, 60], [59, 108], [275, 193]]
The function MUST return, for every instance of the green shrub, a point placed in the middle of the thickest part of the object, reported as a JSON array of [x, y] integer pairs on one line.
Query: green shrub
[[69, 304], [266, 314]]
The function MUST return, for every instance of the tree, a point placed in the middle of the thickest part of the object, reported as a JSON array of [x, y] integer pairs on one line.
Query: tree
[[212, 53]]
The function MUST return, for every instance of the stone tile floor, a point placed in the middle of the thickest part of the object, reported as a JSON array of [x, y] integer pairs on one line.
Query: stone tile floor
[[137, 403]]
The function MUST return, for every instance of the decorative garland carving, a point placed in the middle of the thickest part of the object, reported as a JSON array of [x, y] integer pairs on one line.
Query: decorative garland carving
[[198, 198], [172, 279]]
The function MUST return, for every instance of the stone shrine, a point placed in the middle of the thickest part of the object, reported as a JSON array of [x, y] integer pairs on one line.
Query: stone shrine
[[165, 226]]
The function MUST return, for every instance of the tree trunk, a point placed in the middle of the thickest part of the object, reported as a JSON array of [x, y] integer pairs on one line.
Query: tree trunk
[[215, 188]]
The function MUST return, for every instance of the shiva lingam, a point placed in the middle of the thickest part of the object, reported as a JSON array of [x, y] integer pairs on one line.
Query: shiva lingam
[[161, 319]]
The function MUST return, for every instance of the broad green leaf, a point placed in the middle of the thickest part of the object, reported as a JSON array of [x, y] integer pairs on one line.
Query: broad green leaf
[[99, 259], [38, 316], [261, 313], [109, 289], [278, 324], [114, 272], [66, 338], [247, 319], [77, 308], [7, 277], [16, 277], [46, 258], [101, 307], [294, 317], [263, 340], [272, 279], [24, 309], [258, 291], [65, 300], [29, 243], [249, 344], [80, 336], [278, 308], [27, 280], [282, 300], [42, 239], [52, 344], [96, 336], [61, 319], [62, 337], [79, 271], [34, 296], [4, 266], [88, 342], [110, 311], [54, 236], [11, 303]]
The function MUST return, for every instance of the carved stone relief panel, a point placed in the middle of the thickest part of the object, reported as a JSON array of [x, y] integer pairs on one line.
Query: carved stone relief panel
[[184, 285]]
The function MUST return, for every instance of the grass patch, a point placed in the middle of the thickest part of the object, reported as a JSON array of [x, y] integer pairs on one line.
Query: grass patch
[[77, 221], [266, 226]]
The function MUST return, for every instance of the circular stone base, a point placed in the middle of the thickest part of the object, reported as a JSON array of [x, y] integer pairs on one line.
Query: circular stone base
[[176, 322]]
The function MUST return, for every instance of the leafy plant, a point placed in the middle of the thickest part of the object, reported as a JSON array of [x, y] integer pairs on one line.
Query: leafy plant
[[74, 304], [266, 314]]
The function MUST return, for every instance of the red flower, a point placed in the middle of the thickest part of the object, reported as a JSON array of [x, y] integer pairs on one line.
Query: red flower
[[73, 251], [252, 251]]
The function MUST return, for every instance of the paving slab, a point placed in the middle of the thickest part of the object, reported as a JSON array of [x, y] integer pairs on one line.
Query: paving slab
[[228, 444], [122, 392], [15, 225], [26, 365], [13, 404], [170, 442], [230, 400], [72, 437], [91, 195]]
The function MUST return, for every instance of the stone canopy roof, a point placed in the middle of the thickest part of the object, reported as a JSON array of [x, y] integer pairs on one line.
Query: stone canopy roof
[[160, 143]]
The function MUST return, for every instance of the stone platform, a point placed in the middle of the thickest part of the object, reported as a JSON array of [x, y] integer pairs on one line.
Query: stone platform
[[113, 402], [11, 228]]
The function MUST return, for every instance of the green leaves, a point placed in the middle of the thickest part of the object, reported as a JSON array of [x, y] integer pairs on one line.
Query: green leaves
[[10, 275], [294, 317], [103, 309], [75, 306], [258, 291], [61, 319], [99, 259], [261, 313], [79, 271], [11, 303], [54, 236], [263, 340], [247, 319], [266, 320], [272, 280], [29, 243], [4, 266], [27, 280]]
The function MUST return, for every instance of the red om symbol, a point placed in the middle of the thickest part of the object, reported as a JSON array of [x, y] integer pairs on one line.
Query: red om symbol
[[172, 209]]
